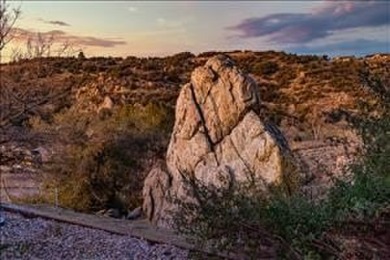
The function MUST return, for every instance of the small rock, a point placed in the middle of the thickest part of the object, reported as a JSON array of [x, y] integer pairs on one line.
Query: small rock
[[134, 214], [113, 213], [101, 212], [41, 154], [5, 168], [107, 104]]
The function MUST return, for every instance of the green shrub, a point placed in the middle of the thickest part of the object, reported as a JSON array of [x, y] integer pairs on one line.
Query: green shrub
[[104, 159], [265, 68]]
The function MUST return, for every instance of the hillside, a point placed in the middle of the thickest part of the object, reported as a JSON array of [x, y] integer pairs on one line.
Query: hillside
[[84, 133], [302, 88], [94, 114]]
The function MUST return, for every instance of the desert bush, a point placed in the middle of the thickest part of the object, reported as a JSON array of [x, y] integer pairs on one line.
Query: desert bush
[[103, 160], [179, 59], [265, 68], [304, 59], [207, 54]]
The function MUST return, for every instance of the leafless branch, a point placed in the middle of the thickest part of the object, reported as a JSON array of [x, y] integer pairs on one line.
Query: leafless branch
[[8, 18]]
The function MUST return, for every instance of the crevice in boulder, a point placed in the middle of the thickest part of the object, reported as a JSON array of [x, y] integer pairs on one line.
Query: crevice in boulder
[[246, 164], [151, 206], [231, 92], [275, 132], [220, 123], [202, 119], [240, 119]]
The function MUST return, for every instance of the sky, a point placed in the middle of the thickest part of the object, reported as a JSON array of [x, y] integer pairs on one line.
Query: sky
[[161, 28]]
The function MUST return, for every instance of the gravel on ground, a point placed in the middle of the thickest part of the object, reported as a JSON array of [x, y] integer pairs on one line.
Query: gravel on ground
[[37, 238]]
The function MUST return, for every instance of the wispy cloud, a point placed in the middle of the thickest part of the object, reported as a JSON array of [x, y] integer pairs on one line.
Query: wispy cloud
[[165, 23], [320, 23], [22, 35], [132, 9], [56, 22]]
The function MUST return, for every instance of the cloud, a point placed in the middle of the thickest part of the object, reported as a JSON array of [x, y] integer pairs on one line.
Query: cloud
[[325, 21], [353, 47], [22, 35], [164, 23], [56, 22], [161, 21], [98, 42], [60, 23], [132, 9]]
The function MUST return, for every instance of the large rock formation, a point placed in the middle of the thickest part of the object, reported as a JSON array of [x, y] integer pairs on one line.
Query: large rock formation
[[216, 132]]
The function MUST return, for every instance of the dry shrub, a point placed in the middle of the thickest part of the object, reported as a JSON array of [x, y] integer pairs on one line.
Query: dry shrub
[[102, 160]]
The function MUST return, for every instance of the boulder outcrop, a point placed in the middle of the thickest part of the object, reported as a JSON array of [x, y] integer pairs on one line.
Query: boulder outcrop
[[216, 133]]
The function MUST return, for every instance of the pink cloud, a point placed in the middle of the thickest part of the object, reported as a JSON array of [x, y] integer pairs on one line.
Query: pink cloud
[[331, 17], [22, 35]]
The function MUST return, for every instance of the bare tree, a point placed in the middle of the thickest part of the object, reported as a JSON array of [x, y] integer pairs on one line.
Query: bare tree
[[8, 98], [16, 102], [8, 18], [42, 45], [67, 49]]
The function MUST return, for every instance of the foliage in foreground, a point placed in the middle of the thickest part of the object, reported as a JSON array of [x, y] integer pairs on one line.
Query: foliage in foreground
[[231, 219]]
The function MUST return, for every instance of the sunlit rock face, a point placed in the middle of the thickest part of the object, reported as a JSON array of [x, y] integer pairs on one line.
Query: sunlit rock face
[[216, 133]]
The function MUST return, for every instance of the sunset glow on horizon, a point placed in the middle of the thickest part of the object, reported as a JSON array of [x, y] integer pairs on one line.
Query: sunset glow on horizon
[[160, 28]]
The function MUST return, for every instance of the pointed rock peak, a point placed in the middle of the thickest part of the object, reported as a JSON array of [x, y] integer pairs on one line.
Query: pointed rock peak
[[216, 133], [220, 61]]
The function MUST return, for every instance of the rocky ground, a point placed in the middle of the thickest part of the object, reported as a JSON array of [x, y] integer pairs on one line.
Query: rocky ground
[[37, 238]]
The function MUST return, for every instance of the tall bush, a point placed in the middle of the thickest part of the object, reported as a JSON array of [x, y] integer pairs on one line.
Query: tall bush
[[103, 159]]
